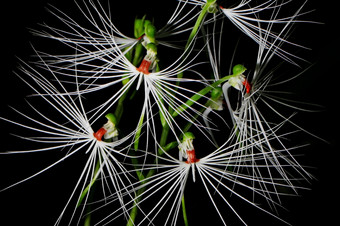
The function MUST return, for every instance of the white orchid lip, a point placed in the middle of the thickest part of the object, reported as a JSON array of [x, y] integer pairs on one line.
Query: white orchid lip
[[111, 130]]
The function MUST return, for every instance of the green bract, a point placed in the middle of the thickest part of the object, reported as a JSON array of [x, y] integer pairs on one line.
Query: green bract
[[188, 136], [112, 118], [152, 48], [146, 23], [150, 32], [212, 7]]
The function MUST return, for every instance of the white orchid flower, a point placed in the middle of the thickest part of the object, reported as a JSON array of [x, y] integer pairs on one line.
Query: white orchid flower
[[69, 130]]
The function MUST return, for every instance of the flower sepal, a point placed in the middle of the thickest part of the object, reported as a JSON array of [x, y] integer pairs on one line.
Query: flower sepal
[[110, 127]]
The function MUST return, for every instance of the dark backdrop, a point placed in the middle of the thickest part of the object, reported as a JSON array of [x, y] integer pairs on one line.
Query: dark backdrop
[[37, 202]]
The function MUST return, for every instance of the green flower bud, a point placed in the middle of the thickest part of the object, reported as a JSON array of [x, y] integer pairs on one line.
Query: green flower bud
[[238, 69], [146, 23], [150, 31], [139, 27]]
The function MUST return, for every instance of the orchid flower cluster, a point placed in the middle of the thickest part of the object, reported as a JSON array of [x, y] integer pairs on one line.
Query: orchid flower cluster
[[166, 112]]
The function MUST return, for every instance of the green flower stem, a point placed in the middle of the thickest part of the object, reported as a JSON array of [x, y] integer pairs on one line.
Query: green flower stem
[[90, 188], [200, 94], [120, 106], [164, 136], [134, 210], [87, 221], [87, 189], [184, 212], [138, 54], [199, 21], [237, 70], [136, 144], [138, 132], [206, 8]]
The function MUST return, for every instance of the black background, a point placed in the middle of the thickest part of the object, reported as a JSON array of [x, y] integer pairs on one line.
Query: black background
[[37, 202]]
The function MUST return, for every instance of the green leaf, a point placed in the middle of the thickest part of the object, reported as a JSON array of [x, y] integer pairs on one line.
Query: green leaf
[[139, 130], [87, 189]]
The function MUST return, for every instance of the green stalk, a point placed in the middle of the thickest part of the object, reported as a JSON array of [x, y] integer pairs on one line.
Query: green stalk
[[120, 106], [91, 185], [199, 21], [138, 132], [184, 212], [88, 220], [137, 56], [200, 94], [86, 190], [134, 210]]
